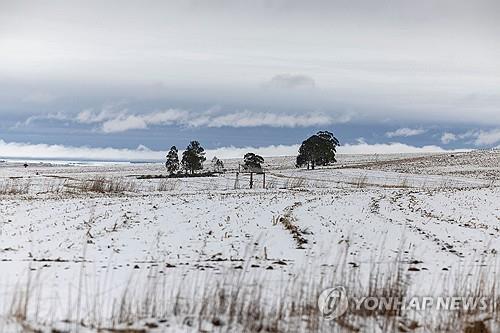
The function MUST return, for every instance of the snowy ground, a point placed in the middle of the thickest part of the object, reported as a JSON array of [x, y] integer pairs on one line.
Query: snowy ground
[[437, 215]]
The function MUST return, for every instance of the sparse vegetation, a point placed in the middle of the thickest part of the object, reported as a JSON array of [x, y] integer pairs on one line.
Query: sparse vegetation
[[295, 182], [243, 302], [101, 184], [178, 175], [361, 181], [167, 185], [14, 186]]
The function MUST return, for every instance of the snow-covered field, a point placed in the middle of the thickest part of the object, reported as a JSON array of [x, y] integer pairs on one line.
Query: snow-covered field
[[155, 254]]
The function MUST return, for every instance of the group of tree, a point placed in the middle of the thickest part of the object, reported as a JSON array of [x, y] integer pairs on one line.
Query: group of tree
[[193, 158], [317, 150]]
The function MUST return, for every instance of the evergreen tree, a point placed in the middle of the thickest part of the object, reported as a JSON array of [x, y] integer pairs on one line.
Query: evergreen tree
[[193, 157], [172, 163]]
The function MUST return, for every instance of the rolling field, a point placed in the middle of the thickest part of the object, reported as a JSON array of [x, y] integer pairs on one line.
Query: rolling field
[[94, 248]]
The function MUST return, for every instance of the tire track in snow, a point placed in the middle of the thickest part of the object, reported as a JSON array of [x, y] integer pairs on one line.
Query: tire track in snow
[[288, 222], [448, 235]]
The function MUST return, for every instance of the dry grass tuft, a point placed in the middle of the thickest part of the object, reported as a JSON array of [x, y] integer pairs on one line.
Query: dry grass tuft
[[361, 181], [167, 185], [295, 182], [14, 187], [102, 184], [242, 302]]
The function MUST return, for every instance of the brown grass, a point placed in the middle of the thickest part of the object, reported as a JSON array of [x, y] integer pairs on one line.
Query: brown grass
[[167, 185], [240, 301], [101, 184], [14, 187], [295, 182]]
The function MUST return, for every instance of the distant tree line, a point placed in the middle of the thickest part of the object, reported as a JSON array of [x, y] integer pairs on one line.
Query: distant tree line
[[317, 150]]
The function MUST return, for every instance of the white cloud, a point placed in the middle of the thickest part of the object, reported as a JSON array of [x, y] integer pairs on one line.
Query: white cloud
[[386, 148], [405, 132], [111, 120], [448, 137], [45, 151], [89, 116], [123, 124], [142, 153], [254, 119], [269, 151], [123, 121], [59, 116], [487, 137], [166, 117], [478, 137]]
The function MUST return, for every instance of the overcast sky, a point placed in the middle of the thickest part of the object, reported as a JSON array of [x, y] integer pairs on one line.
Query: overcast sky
[[122, 74]]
